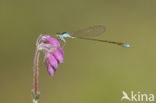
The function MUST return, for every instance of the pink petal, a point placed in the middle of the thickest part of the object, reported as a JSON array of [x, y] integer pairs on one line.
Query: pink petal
[[58, 55], [51, 70], [46, 62], [51, 40], [52, 60], [62, 51]]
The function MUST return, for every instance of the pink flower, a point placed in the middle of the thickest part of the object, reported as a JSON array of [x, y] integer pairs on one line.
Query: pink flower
[[53, 54]]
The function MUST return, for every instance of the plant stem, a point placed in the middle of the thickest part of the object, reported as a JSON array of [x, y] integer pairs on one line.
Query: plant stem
[[35, 89]]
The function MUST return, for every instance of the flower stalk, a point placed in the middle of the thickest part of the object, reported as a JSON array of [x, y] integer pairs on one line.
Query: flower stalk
[[35, 89]]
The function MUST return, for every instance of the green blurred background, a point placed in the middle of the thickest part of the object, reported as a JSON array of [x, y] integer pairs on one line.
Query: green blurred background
[[92, 72]]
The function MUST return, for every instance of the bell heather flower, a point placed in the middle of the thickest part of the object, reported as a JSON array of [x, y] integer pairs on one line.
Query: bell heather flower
[[53, 55]]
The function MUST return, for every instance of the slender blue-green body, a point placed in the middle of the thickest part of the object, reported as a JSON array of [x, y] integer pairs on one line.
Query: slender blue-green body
[[88, 32]]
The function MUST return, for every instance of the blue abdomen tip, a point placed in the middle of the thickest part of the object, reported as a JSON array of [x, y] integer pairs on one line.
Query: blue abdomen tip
[[126, 45]]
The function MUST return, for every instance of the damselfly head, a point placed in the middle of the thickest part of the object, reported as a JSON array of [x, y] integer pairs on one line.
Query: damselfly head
[[58, 34], [64, 34]]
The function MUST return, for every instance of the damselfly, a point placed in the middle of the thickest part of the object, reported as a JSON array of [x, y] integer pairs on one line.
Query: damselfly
[[88, 32]]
